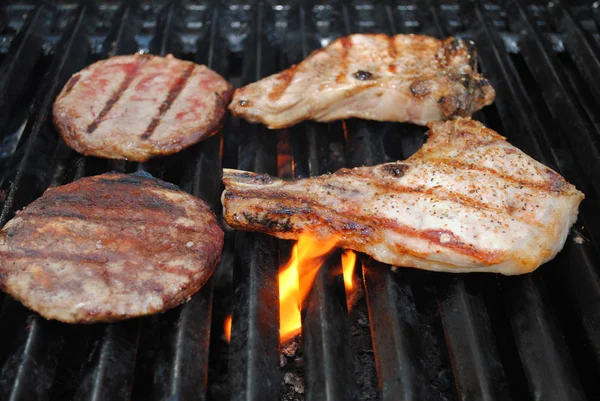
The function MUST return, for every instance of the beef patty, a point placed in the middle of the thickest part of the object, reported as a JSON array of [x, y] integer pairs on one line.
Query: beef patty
[[139, 106], [107, 248]]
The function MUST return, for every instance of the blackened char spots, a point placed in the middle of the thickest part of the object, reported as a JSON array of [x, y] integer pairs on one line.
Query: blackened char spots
[[362, 75], [122, 180], [114, 196], [454, 43], [421, 88], [396, 170], [260, 222], [252, 178], [331, 187], [292, 211], [138, 179], [557, 183]]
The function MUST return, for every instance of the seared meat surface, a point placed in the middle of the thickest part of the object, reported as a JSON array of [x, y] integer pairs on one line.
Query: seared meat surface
[[467, 201], [405, 78], [139, 106], [109, 247]]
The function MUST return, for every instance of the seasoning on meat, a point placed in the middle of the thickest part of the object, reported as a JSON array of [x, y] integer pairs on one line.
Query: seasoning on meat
[[403, 78], [467, 201], [139, 106], [107, 248]]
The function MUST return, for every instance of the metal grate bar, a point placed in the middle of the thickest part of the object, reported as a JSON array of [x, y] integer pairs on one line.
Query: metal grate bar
[[163, 43], [395, 331], [111, 377], [548, 367], [26, 362], [478, 370], [521, 288], [110, 372], [582, 50], [254, 351], [557, 94], [391, 308], [329, 366], [37, 138], [325, 326], [181, 369], [28, 372], [25, 52], [518, 116], [101, 382], [122, 39]]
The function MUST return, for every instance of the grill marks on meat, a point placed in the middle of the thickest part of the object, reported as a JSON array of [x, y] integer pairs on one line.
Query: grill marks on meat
[[139, 106], [173, 93], [109, 247], [131, 70], [467, 201], [404, 78]]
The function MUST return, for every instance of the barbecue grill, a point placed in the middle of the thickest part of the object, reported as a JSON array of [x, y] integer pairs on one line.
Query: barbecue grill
[[413, 335]]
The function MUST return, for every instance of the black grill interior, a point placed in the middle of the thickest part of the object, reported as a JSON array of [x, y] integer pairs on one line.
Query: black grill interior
[[412, 335]]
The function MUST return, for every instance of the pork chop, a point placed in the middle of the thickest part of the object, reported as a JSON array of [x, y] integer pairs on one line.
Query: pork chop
[[139, 106], [402, 78], [467, 201], [107, 248]]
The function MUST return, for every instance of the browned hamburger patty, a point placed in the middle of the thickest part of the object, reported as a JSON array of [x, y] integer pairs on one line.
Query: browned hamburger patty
[[107, 248], [139, 106]]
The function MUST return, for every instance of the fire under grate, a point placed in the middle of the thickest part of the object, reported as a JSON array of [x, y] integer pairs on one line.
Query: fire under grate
[[411, 335]]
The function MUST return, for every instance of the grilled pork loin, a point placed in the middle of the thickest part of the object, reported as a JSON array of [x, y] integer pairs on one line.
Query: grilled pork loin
[[467, 201], [109, 247], [139, 106], [405, 78]]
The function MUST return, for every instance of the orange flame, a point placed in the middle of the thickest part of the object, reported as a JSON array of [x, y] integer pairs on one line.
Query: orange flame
[[227, 328], [348, 262], [295, 281]]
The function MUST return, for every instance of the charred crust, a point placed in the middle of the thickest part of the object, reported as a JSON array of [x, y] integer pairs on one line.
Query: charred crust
[[339, 189], [396, 170], [110, 192], [471, 54], [449, 105], [557, 183], [421, 88], [454, 44], [250, 177], [276, 225], [362, 75], [263, 178], [136, 179], [121, 180]]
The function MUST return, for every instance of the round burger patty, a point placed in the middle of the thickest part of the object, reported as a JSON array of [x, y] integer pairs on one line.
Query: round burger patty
[[107, 248], [139, 106]]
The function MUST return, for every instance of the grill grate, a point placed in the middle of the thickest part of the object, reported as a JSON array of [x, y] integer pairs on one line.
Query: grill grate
[[414, 335]]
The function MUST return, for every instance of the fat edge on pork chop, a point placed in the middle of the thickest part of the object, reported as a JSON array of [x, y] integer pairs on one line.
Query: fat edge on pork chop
[[467, 201], [107, 248], [402, 78]]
